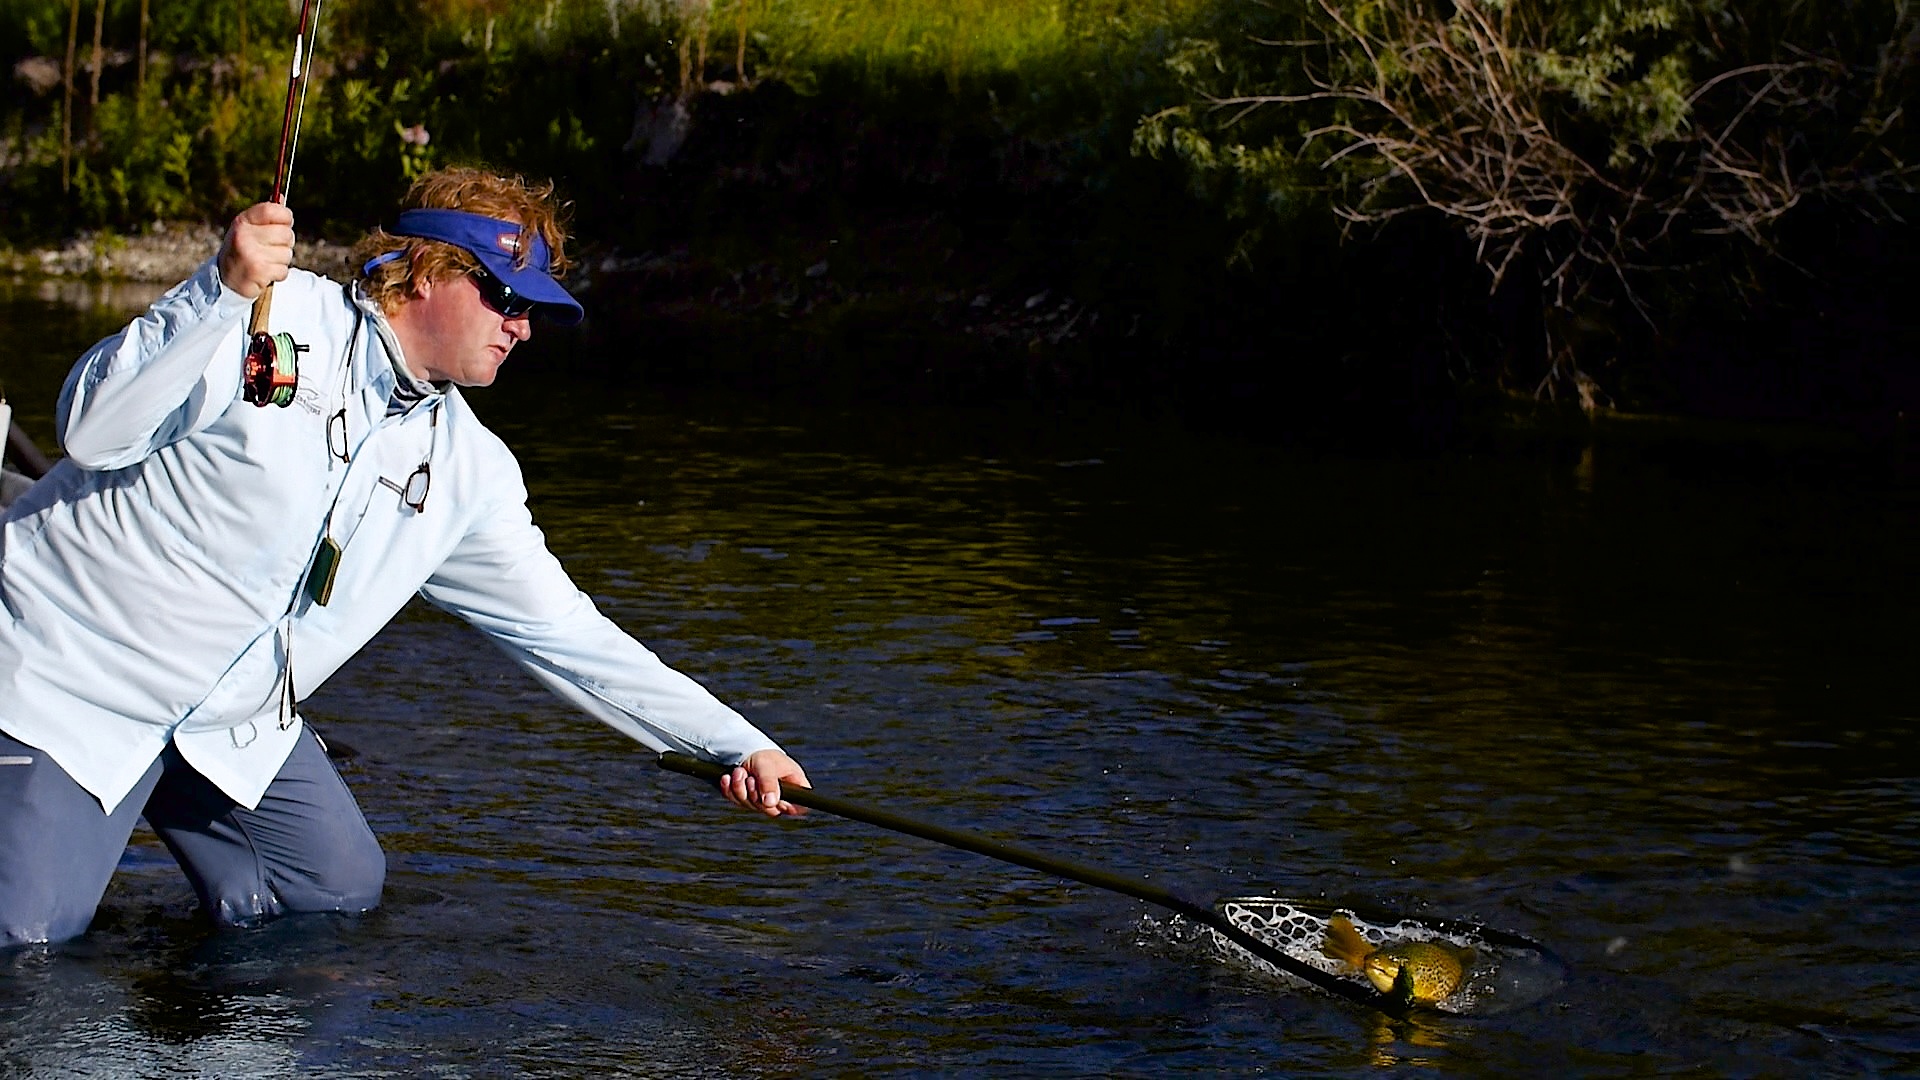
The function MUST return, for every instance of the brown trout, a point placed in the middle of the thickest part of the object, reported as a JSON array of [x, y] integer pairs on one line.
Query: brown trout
[[1415, 972]]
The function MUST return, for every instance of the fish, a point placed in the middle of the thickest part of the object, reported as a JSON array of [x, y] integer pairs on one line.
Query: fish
[[1412, 972]]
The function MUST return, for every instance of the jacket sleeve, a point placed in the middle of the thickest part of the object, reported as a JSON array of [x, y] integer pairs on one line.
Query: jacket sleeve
[[503, 580], [173, 371]]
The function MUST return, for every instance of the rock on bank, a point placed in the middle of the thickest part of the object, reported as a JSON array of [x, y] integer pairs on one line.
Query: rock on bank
[[165, 254]]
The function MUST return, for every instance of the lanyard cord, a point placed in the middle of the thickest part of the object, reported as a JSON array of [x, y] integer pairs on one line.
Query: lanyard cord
[[345, 453], [289, 699]]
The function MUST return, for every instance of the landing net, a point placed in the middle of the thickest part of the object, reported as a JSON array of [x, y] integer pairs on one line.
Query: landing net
[[1507, 970]]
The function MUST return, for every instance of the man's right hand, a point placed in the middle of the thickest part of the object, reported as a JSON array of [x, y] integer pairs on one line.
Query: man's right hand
[[258, 249]]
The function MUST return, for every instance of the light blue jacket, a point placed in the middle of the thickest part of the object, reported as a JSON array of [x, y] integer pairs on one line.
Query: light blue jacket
[[153, 582]]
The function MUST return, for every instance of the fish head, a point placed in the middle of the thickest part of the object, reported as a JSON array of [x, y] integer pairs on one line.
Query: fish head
[[1384, 969]]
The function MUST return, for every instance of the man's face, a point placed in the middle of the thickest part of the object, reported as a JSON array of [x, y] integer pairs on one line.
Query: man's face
[[449, 334]]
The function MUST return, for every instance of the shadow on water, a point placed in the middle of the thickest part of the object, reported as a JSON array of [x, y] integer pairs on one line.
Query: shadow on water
[[1642, 699]]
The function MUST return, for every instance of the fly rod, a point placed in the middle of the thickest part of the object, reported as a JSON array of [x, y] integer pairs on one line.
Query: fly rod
[[271, 372], [1203, 914]]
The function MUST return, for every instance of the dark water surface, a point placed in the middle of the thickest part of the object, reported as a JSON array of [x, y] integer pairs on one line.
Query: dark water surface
[[1648, 701]]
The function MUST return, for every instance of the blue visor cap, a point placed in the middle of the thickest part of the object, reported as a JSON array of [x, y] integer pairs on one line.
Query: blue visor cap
[[496, 244]]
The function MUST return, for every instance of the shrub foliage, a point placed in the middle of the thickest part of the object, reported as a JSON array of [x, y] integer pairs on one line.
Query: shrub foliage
[[1611, 167], [1606, 158]]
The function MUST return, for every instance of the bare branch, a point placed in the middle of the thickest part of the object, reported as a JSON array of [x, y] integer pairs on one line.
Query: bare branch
[[1461, 124]]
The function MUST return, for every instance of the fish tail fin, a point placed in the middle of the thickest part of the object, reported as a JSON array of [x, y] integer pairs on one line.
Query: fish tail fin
[[1344, 943]]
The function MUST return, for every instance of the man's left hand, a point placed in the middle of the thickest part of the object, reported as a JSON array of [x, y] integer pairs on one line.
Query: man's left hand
[[755, 783]]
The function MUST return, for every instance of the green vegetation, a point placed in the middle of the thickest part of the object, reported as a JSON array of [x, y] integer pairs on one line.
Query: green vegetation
[[1614, 162], [178, 112], [1408, 201]]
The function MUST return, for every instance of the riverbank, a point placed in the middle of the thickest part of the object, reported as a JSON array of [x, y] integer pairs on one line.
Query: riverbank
[[1009, 201], [833, 282], [916, 308], [166, 253], [821, 286]]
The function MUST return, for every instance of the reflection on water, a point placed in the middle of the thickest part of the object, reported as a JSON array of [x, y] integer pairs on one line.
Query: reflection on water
[[1644, 701], [46, 325]]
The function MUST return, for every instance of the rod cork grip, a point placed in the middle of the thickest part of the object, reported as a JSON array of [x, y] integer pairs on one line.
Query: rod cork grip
[[262, 304]]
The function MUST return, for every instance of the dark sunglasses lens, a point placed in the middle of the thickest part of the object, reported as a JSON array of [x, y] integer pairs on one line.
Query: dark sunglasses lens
[[500, 296]]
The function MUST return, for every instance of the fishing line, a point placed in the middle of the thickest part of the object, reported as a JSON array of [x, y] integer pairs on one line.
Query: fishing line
[[301, 74]]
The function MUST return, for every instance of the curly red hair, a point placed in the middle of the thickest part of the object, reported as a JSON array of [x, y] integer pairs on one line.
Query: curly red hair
[[477, 191]]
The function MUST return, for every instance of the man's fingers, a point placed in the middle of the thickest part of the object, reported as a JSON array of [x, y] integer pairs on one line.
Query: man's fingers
[[769, 788], [756, 786], [267, 213], [259, 248], [794, 776], [268, 244], [271, 236]]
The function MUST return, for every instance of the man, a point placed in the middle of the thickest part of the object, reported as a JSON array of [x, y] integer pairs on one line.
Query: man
[[238, 513]]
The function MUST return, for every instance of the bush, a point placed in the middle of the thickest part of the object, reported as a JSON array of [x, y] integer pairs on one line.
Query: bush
[[1611, 161]]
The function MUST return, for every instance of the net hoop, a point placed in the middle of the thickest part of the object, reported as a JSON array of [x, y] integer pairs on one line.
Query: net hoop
[[1508, 970]]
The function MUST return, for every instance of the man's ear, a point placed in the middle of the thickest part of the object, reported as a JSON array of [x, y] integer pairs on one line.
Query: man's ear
[[422, 283]]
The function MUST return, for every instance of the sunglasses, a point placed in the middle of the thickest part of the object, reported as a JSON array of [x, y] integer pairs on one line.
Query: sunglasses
[[500, 296]]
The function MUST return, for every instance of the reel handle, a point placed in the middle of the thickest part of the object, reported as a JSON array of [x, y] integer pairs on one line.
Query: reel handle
[[262, 304]]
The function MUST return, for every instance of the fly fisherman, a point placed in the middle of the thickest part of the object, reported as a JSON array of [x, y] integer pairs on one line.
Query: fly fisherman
[[211, 550]]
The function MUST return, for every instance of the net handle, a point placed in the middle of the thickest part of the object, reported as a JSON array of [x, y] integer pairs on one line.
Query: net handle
[[1204, 914]]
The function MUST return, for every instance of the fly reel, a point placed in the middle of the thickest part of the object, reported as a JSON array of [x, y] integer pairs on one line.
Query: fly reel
[[272, 370]]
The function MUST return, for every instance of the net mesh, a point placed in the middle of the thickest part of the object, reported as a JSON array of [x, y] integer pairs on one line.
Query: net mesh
[[1503, 974]]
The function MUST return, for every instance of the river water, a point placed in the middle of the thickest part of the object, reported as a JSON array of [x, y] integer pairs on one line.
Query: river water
[[1646, 699]]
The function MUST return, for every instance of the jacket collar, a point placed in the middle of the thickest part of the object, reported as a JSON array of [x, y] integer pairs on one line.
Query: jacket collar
[[379, 363]]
